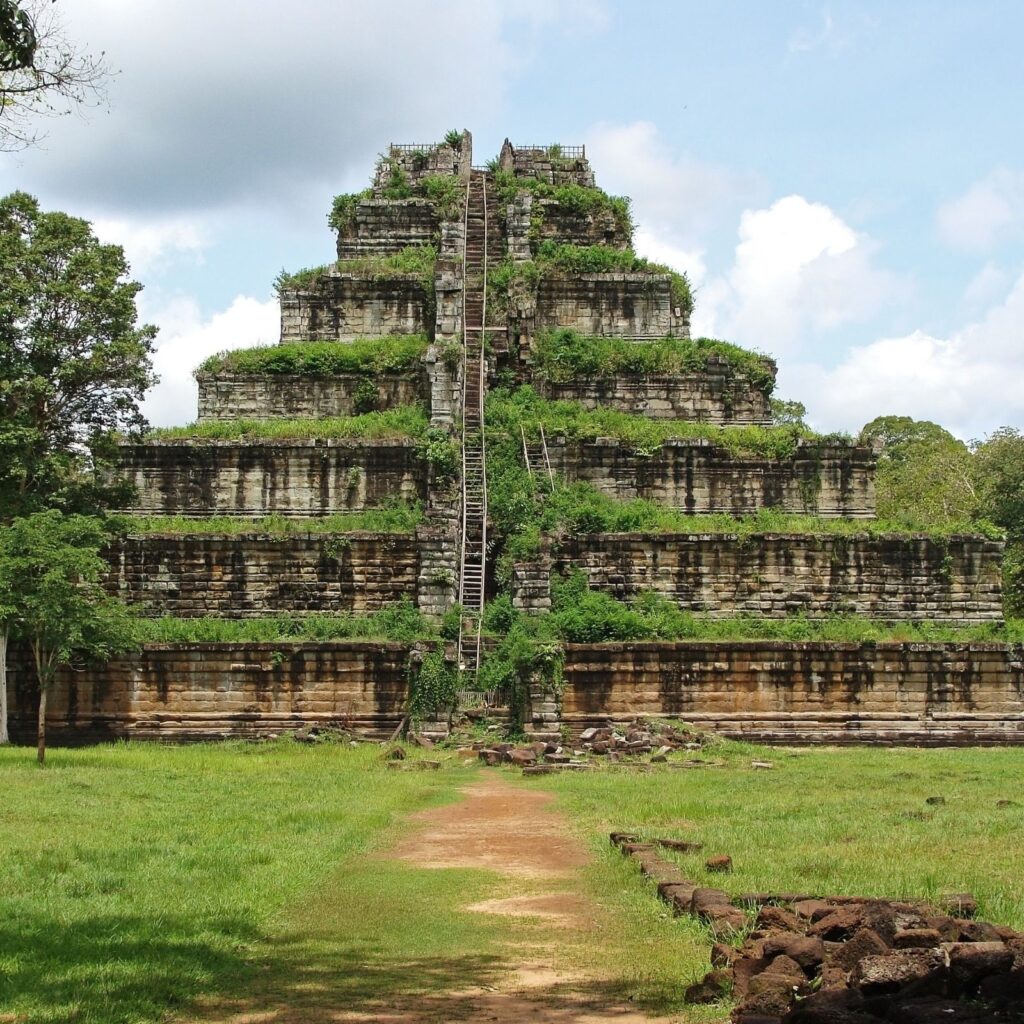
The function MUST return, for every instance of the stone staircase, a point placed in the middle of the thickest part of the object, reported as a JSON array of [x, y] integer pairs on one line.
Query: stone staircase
[[473, 558]]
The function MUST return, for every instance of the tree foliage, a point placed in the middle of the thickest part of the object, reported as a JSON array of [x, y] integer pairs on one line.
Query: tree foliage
[[52, 596], [41, 73], [925, 475], [74, 364]]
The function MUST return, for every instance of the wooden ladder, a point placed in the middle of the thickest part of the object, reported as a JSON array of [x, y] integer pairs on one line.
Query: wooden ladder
[[535, 455], [473, 557]]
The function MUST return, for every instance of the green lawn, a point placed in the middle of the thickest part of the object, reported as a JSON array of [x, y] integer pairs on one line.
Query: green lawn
[[842, 821], [139, 880]]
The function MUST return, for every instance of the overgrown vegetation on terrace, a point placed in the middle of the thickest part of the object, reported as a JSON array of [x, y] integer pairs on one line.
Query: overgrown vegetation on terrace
[[576, 199], [508, 410], [366, 356], [507, 278], [413, 259], [401, 621], [400, 422], [394, 518], [562, 356]]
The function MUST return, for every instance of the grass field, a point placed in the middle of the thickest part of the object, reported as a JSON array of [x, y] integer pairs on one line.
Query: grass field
[[139, 878]]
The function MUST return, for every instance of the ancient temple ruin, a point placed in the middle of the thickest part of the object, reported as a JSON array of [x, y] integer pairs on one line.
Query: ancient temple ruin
[[457, 288]]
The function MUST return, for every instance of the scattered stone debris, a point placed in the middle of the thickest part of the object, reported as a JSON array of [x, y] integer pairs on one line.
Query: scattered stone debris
[[721, 864], [844, 959], [762, 765]]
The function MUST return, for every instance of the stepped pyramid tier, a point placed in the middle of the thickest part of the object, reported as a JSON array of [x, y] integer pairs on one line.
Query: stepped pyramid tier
[[489, 396]]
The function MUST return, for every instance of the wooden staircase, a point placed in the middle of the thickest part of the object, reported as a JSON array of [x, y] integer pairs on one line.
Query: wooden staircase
[[473, 557]]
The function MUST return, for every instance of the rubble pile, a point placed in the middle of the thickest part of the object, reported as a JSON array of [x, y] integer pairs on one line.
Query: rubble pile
[[790, 958]]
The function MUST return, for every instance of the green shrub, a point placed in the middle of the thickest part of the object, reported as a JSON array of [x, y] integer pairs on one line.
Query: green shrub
[[369, 356], [564, 356], [343, 210], [434, 687], [399, 422], [447, 193], [401, 621], [394, 518], [300, 280]]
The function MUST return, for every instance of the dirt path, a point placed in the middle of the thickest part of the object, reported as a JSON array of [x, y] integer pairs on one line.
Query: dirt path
[[515, 831], [540, 972]]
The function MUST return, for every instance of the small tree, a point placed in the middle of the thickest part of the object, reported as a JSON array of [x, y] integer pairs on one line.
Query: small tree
[[51, 592], [73, 364]]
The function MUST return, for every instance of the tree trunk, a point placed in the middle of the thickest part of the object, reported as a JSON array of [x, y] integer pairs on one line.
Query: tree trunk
[[4, 735], [41, 730]]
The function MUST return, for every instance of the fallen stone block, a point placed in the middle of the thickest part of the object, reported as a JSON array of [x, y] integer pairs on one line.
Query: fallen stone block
[[713, 987], [679, 845], [719, 864], [898, 969], [678, 895], [838, 925], [805, 951], [863, 943], [916, 938], [777, 919], [969, 962]]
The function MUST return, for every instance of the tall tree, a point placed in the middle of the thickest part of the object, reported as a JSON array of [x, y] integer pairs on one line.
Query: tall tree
[[50, 587], [41, 73], [925, 475], [999, 472], [74, 364]]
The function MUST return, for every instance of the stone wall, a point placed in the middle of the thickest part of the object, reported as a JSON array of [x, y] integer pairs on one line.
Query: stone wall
[[555, 223], [611, 305], [695, 476], [555, 165], [240, 396], [259, 574], [772, 691], [713, 396], [218, 690], [417, 161], [255, 478], [891, 577], [347, 306], [382, 227]]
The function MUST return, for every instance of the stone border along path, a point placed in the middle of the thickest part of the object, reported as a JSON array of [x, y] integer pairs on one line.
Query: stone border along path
[[843, 959], [513, 830]]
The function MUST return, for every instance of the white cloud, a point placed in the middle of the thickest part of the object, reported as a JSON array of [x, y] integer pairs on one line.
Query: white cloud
[[799, 270], [969, 382], [986, 286], [185, 340], [988, 211], [676, 198], [150, 245]]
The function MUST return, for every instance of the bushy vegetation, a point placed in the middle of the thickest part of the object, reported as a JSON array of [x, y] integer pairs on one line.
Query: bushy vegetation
[[299, 280], [553, 258], [402, 421], [401, 621], [577, 199], [928, 479], [413, 259], [368, 356], [565, 355], [342, 216], [394, 518], [447, 193], [508, 410]]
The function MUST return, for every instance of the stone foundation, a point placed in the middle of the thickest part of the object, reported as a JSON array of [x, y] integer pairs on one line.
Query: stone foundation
[[254, 396], [611, 305], [696, 477], [344, 307], [893, 577], [259, 574], [713, 396], [257, 478], [215, 691], [771, 691]]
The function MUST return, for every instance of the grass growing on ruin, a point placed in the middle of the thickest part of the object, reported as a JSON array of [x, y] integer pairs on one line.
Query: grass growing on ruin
[[401, 422], [396, 518], [508, 410], [401, 621], [846, 821], [366, 356], [137, 877], [564, 356]]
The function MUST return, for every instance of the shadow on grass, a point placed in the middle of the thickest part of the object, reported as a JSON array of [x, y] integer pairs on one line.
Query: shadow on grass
[[114, 968]]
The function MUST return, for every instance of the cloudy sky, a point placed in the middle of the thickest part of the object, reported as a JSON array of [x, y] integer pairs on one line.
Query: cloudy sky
[[843, 182]]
